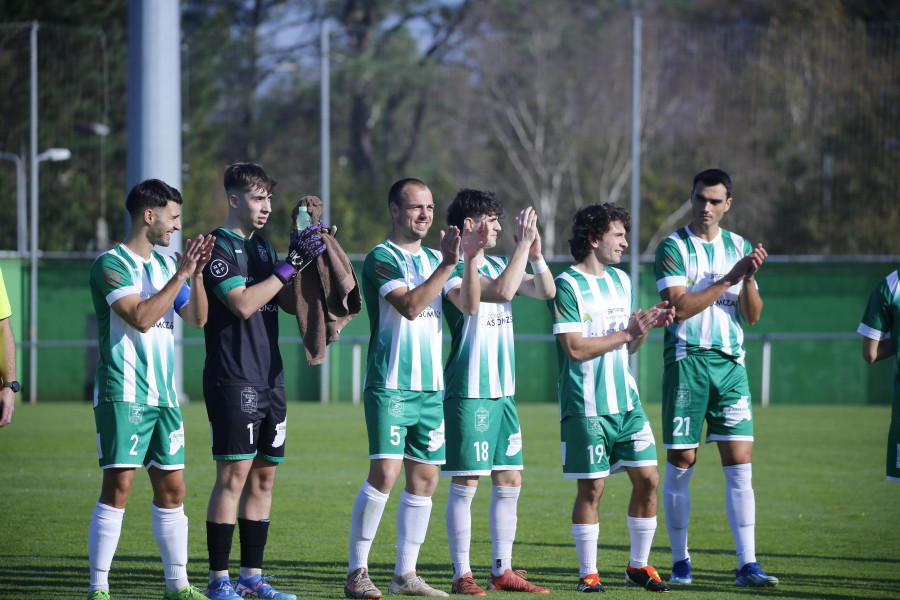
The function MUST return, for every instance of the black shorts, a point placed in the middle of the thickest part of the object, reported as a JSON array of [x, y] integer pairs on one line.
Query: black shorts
[[247, 421]]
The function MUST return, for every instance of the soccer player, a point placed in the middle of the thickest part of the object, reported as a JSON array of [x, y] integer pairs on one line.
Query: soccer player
[[483, 433], [880, 328], [7, 360], [402, 282], [136, 293], [243, 379], [707, 274], [603, 426]]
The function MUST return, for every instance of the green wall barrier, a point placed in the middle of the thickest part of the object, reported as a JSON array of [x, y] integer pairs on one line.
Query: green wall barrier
[[800, 298]]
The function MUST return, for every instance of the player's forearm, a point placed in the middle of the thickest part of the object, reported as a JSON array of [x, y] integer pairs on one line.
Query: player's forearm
[[580, 348], [411, 304], [147, 313], [689, 304], [505, 287], [470, 290], [196, 311], [8, 349], [246, 301], [635, 344], [541, 286], [750, 302]]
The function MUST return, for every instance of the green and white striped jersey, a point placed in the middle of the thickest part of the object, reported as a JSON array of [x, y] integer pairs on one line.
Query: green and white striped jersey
[[593, 306], [134, 366], [403, 354], [684, 259], [881, 320], [482, 362]]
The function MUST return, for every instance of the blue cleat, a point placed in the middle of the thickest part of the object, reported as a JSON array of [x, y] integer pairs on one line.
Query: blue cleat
[[750, 575], [258, 587], [221, 589], [681, 572]]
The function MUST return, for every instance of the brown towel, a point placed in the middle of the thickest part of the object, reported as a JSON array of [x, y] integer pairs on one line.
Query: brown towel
[[327, 291]]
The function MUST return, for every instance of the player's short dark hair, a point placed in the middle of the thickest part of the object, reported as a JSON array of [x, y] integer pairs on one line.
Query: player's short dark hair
[[151, 193], [591, 222], [711, 177], [473, 204], [248, 176], [398, 191]]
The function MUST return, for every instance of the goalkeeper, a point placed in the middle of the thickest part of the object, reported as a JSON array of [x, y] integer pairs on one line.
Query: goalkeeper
[[243, 378]]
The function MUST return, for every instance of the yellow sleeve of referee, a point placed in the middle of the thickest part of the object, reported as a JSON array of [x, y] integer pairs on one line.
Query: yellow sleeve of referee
[[5, 309]]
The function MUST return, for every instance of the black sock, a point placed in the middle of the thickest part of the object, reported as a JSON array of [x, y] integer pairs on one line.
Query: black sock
[[218, 544], [253, 542]]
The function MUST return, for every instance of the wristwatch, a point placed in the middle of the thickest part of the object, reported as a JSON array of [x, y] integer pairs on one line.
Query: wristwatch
[[14, 385]]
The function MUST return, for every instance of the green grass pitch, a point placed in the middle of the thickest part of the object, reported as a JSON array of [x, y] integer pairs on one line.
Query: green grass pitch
[[828, 524]]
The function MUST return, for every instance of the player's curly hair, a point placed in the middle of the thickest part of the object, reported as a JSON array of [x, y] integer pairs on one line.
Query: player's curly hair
[[473, 204], [248, 176], [591, 222], [151, 193]]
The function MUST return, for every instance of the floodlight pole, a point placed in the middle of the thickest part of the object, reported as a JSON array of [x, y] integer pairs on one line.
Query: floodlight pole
[[32, 317], [636, 171], [325, 117]]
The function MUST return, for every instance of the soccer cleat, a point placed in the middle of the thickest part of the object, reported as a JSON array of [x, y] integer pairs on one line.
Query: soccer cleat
[[647, 578], [750, 575], [360, 586], [513, 581], [681, 572], [188, 592], [99, 595], [221, 589], [466, 585], [258, 587], [590, 584], [410, 584]]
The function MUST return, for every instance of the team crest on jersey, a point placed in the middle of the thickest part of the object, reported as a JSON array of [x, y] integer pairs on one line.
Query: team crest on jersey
[[482, 419], [248, 400], [263, 255], [682, 396], [395, 406], [218, 268], [135, 413], [594, 426]]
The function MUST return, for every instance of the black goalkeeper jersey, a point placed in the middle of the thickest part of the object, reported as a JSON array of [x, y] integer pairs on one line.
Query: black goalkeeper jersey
[[240, 351]]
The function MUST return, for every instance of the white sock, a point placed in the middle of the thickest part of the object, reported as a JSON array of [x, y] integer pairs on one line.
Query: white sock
[[170, 528], [248, 572], [586, 536], [502, 521], [642, 530], [412, 524], [103, 537], [367, 510], [677, 502], [740, 505], [459, 526]]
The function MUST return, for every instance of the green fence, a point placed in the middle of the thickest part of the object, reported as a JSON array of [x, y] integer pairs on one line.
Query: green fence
[[805, 337]]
